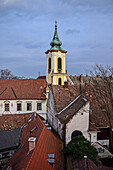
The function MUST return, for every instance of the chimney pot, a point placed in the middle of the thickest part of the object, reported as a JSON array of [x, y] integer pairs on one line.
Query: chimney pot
[[32, 142], [81, 79], [65, 84]]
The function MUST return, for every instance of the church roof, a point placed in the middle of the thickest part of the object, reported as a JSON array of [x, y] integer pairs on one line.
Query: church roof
[[56, 43], [69, 111], [14, 89], [63, 96]]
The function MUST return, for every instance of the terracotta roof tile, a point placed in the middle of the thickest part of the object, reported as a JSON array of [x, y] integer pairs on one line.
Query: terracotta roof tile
[[63, 96], [98, 116], [11, 89], [12, 121], [46, 143], [80, 164]]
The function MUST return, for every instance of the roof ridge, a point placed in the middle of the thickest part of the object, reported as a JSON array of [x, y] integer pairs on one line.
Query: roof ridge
[[70, 104]]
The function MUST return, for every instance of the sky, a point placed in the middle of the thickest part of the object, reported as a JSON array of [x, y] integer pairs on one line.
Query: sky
[[85, 28]]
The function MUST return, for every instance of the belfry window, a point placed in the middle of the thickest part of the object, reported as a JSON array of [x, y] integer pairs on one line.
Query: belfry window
[[49, 65], [59, 64], [59, 81]]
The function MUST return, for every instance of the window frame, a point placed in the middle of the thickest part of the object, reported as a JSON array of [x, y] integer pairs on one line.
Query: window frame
[[59, 81], [5, 107], [49, 65], [59, 64], [39, 106], [29, 106], [21, 106]]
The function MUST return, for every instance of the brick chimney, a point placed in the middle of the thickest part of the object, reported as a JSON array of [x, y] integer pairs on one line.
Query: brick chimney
[[81, 78], [65, 84], [32, 142]]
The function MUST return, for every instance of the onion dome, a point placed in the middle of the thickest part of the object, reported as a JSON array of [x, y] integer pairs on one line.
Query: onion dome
[[56, 43]]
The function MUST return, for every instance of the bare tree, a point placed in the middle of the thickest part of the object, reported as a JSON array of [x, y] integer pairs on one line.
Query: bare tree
[[101, 91], [6, 74]]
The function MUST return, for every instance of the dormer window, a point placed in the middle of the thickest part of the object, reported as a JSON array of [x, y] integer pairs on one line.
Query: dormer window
[[59, 64]]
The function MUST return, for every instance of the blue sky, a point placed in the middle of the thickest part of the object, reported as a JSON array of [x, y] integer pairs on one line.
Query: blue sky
[[85, 28]]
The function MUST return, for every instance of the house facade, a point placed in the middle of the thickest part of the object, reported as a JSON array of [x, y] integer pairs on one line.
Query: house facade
[[23, 96], [68, 114]]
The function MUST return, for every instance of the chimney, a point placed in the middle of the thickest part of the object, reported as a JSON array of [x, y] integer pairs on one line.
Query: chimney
[[81, 83], [81, 78], [65, 84], [32, 142]]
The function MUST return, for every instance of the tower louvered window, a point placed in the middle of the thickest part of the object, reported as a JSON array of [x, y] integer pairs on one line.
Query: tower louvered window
[[49, 65], [59, 64]]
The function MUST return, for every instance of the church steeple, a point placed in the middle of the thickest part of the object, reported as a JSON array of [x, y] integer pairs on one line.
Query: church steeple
[[56, 69], [55, 43]]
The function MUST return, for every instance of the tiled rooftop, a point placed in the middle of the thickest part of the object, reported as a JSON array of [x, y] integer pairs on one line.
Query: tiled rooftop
[[63, 96], [12, 121], [12, 89], [80, 164], [46, 143], [72, 109], [98, 116]]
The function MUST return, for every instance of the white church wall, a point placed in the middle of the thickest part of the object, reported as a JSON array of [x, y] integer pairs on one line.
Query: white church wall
[[93, 136], [80, 122]]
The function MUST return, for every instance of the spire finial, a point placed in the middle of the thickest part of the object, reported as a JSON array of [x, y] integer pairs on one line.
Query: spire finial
[[55, 26]]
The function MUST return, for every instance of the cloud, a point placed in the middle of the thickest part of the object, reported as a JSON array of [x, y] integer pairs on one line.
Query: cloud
[[72, 31], [40, 44]]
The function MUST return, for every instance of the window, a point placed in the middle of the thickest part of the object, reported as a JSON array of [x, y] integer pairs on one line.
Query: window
[[29, 107], [19, 107], [49, 65], [7, 107], [59, 81], [59, 64], [39, 106]]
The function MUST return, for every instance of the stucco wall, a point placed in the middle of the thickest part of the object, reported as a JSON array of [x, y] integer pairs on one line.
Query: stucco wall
[[13, 106], [80, 121], [51, 112], [93, 137]]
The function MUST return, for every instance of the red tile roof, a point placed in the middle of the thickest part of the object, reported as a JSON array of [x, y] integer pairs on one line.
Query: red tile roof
[[12, 121], [63, 96], [46, 143], [80, 164], [98, 116], [11, 89]]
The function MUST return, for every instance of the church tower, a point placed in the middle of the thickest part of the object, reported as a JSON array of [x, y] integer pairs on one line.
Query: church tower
[[56, 62]]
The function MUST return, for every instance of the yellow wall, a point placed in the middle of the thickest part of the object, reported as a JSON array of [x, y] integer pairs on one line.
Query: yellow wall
[[54, 67]]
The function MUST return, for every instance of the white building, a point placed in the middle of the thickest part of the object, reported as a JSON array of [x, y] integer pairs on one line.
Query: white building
[[23, 96]]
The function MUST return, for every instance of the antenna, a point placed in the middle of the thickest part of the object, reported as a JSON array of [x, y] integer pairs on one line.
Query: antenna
[[38, 73]]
